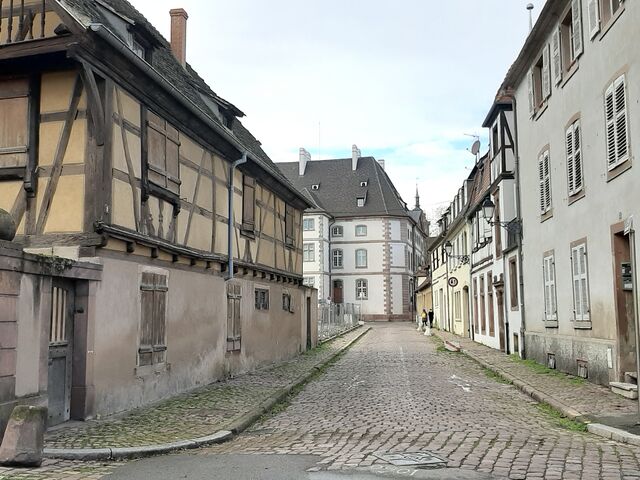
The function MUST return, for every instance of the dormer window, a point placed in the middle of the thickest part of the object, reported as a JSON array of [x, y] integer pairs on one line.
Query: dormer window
[[360, 201], [364, 183], [138, 49], [315, 186]]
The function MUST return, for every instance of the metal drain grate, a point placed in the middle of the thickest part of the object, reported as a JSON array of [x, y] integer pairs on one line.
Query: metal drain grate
[[414, 459]]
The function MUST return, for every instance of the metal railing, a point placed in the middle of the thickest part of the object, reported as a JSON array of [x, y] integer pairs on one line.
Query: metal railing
[[335, 318]]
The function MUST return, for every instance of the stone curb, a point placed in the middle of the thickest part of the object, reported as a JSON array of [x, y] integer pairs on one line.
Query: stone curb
[[237, 426], [355, 327], [598, 429]]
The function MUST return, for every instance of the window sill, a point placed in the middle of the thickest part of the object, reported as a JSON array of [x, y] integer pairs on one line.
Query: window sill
[[248, 232], [148, 370], [619, 169], [361, 268], [546, 216], [550, 323], [582, 325], [568, 75], [576, 196], [515, 309], [604, 30], [540, 110]]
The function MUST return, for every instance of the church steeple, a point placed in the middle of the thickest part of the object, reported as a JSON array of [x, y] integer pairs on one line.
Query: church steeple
[[417, 198]]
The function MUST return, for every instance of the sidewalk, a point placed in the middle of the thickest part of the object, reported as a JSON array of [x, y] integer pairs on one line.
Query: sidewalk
[[607, 414], [207, 415]]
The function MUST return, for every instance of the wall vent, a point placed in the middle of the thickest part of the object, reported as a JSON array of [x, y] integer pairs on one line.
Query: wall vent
[[551, 361]]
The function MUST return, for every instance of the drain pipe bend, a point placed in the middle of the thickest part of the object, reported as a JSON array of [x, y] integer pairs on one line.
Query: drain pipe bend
[[232, 169]]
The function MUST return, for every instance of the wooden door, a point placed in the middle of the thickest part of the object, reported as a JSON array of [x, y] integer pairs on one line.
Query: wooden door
[[60, 351], [624, 304], [338, 291], [500, 299]]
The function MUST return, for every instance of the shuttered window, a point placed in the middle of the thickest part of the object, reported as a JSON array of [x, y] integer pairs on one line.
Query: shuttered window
[[248, 203], [14, 123], [153, 292], [262, 299], [546, 73], [593, 11], [163, 146], [289, 225], [549, 276], [513, 284], [556, 57], [573, 141], [544, 175], [576, 31], [615, 104], [580, 282], [234, 332]]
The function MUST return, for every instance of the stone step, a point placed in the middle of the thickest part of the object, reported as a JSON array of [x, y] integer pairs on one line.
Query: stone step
[[631, 377], [627, 390]]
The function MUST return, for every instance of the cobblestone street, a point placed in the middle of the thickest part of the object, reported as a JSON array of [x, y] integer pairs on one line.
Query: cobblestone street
[[395, 390]]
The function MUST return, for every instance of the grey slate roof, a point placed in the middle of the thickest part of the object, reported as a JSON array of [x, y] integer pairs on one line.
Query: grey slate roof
[[340, 187], [186, 80]]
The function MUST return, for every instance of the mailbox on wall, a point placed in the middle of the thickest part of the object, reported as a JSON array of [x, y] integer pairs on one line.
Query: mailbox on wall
[[627, 278]]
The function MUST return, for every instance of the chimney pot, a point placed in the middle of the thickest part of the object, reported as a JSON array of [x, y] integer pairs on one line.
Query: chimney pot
[[179, 34]]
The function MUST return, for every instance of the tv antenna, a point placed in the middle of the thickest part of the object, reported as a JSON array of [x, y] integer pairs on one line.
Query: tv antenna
[[475, 147]]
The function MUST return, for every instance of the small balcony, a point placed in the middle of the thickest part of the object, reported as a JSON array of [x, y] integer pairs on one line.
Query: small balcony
[[26, 20]]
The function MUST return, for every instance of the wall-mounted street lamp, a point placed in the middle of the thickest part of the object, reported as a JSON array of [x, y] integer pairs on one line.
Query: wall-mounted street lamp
[[489, 210], [448, 248]]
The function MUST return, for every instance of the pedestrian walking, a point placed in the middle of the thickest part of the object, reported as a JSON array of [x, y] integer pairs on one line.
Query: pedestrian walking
[[431, 318]]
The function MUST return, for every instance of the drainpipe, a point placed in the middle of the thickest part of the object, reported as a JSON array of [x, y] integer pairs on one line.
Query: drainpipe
[[520, 235], [331, 222], [232, 168]]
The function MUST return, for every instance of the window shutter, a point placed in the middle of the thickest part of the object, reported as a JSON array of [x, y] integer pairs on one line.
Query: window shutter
[[610, 117], [547, 181], [622, 143], [577, 157], [575, 271], [594, 18], [556, 57], [552, 287], [584, 284], [545, 281], [576, 14], [159, 317], [248, 203], [532, 109], [546, 73], [570, 160], [543, 202]]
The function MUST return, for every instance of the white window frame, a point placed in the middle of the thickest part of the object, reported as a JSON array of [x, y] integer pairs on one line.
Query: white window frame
[[617, 124], [360, 201], [308, 252], [549, 288], [573, 149], [308, 224], [361, 230], [362, 289], [580, 282], [337, 258], [361, 255], [309, 281], [544, 177], [337, 231]]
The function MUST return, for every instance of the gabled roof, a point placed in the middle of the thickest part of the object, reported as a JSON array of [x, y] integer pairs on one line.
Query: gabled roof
[[481, 183], [340, 187], [186, 80]]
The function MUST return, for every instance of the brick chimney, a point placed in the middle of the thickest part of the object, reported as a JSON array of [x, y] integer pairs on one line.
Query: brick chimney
[[305, 157], [355, 156], [179, 34]]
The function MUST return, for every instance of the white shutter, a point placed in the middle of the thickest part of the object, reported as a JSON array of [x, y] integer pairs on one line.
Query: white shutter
[[556, 57], [547, 294], [532, 106], [584, 282], [609, 108], [622, 140], [548, 267], [577, 157], [570, 160], [552, 287], [575, 276], [546, 73], [580, 283], [594, 18], [576, 14]]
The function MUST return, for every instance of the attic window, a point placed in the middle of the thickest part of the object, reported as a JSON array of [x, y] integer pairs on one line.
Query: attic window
[[364, 183], [360, 201], [138, 49], [315, 186]]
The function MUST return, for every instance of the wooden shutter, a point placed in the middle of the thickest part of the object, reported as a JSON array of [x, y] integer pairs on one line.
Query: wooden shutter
[[556, 56], [163, 153], [14, 123], [289, 229], [580, 283], [609, 107], [577, 157], [541, 178], [159, 317], [546, 73], [153, 290], [594, 17], [547, 181], [622, 142], [532, 103], [234, 333], [570, 160], [576, 15], [248, 203]]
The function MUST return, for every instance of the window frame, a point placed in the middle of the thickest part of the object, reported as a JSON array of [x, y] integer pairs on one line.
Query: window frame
[[579, 248], [575, 162], [550, 294], [287, 302], [613, 121], [261, 298], [21, 89], [308, 252], [337, 228], [362, 285], [544, 178], [363, 229], [358, 252], [308, 224], [513, 284], [150, 167], [337, 254], [289, 220]]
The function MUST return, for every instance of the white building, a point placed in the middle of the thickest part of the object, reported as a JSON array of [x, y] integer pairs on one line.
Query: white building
[[577, 91], [362, 244]]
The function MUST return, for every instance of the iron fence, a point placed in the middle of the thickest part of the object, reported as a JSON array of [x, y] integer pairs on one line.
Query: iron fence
[[335, 318]]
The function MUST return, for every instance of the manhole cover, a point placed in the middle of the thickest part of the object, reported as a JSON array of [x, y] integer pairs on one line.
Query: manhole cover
[[415, 459]]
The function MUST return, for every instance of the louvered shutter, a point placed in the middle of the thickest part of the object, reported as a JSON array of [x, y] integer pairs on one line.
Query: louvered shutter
[[532, 106], [546, 73], [576, 14], [570, 160], [577, 157], [580, 283], [594, 18], [577, 295], [547, 181], [552, 288], [609, 107], [547, 296], [541, 178], [584, 282], [556, 57], [622, 142]]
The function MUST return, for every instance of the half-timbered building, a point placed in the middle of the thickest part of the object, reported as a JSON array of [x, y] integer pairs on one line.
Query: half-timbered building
[[158, 247]]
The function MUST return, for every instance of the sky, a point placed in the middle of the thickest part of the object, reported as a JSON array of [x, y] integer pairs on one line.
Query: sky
[[407, 81]]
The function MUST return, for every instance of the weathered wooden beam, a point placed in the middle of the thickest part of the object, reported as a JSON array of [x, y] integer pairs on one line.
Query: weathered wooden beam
[[95, 102]]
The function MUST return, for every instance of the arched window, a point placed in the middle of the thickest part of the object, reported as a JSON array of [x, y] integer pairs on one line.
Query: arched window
[[337, 258], [362, 289], [361, 258]]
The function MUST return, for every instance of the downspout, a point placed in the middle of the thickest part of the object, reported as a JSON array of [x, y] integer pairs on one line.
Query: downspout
[[230, 228], [331, 222], [472, 335], [520, 233]]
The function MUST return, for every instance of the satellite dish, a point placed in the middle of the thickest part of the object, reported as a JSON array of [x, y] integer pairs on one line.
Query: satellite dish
[[475, 148]]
